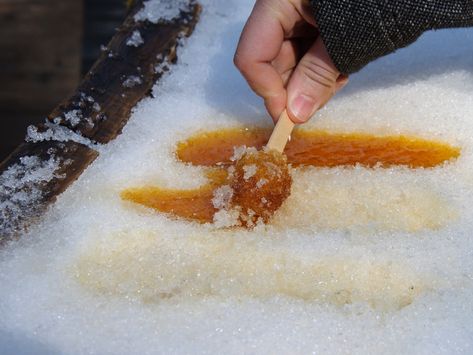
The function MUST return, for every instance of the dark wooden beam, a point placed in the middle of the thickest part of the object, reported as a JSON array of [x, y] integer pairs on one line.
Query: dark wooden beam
[[97, 111]]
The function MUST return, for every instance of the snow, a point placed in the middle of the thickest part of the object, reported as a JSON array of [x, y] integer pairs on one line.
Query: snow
[[132, 81], [161, 10], [357, 261], [73, 117], [261, 183], [57, 133], [135, 39], [96, 107], [249, 171], [222, 197], [227, 218], [21, 189], [238, 152]]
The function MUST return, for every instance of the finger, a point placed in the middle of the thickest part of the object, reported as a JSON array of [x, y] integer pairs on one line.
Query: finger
[[287, 76], [313, 83], [287, 58], [340, 84], [259, 45], [275, 105], [292, 51]]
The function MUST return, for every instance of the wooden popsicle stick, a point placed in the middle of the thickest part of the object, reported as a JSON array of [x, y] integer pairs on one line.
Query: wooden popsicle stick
[[281, 133]]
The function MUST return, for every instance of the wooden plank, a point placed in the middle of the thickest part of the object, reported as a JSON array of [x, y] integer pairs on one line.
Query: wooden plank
[[102, 105]]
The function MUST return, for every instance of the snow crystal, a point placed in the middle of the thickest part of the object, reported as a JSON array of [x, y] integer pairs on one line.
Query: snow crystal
[[222, 197], [88, 98], [73, 117], [238, 152], [162, 67], [135, 39], [249, 171], [357, 261], [96, 107], [226, 218], [57, 133], [21, 190], [261, 183], [132, 81], [161, 10]]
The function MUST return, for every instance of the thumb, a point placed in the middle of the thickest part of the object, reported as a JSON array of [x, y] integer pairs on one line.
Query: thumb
[[312, 84]]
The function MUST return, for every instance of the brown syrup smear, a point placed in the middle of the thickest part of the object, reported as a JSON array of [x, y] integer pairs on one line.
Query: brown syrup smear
[[315, 148]]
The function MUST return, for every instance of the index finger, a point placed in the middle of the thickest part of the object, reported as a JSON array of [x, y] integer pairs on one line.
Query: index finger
[[259, 45]]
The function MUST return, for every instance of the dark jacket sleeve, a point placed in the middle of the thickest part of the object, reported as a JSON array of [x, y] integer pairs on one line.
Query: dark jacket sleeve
[[356, 32]]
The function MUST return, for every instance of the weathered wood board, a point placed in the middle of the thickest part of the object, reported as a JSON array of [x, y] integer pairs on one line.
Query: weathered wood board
[[97, 111]]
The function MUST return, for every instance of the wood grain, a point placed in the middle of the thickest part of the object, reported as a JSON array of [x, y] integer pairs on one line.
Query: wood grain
[[105, 105]]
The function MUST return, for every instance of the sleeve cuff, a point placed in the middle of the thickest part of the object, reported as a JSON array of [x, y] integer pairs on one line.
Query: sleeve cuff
[[357, 32]]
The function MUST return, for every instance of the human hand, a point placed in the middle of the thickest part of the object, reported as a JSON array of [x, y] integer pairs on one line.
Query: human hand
[[285, 61]]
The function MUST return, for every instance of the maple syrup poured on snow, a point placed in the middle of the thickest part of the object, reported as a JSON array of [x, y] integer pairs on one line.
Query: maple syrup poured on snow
[[315, 148]]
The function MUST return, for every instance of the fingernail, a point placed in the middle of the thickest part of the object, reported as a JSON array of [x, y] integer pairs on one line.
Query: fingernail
[[302, 107]]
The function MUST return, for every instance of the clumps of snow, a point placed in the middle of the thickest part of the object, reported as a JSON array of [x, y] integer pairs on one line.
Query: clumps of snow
[[132, 81], [161, 10], [57, 133], [96, 107], [238, 152], [162, 67], [227, 218], [87, 98], [231, 170], [261, 182], [73, 117], [249, 171], [135, 39], [222, 197], [21, 190]]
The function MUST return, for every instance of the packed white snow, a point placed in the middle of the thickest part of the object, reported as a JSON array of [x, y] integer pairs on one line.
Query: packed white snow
[[357, 261]]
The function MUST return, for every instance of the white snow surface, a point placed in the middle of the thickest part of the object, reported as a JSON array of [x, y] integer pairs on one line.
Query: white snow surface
[[357, 261]]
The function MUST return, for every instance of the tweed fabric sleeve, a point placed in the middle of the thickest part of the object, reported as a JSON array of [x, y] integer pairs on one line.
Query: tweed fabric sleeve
[[356, 32]]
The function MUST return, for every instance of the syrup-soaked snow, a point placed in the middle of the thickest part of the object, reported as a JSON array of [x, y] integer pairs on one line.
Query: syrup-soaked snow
[[358, 261]]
